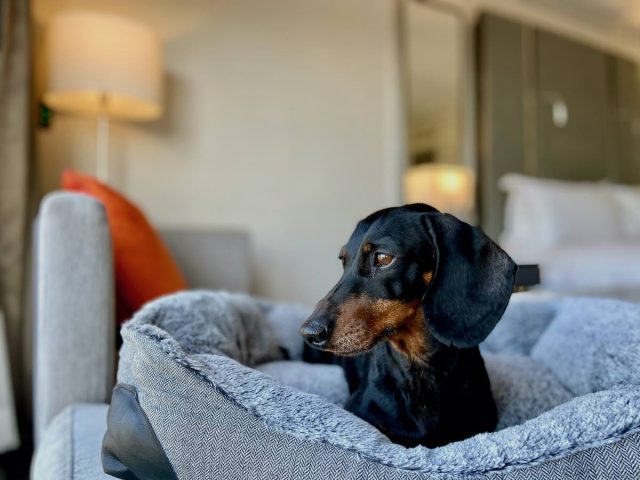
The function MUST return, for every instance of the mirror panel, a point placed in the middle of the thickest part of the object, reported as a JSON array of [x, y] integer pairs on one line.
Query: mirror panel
[[434, 60]]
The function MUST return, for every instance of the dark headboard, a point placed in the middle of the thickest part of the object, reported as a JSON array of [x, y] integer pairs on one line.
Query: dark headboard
[[551, 107]]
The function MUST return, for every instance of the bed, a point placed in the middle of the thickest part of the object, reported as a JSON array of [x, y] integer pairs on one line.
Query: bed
[[584, 235]]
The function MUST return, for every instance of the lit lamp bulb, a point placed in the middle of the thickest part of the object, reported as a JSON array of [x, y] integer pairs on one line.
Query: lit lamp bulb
[[447, 187]]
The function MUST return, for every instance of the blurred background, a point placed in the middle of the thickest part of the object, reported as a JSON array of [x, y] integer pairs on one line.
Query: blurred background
[[287, 121]]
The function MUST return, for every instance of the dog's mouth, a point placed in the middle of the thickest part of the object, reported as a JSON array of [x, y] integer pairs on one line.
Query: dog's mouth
[[318, 345], [351, 346], [344, 346], [348, 352]]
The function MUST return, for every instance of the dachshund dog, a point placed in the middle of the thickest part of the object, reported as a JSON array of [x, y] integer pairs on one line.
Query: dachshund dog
[[420, 290]]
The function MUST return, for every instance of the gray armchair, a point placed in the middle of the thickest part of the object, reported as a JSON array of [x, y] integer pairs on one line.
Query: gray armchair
[[75, 356]]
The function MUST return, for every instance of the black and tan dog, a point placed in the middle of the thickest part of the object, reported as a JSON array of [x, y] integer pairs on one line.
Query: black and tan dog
[[420, 290]]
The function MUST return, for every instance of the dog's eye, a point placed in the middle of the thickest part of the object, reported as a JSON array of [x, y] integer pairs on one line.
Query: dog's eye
[[342, 259], [381, 259]]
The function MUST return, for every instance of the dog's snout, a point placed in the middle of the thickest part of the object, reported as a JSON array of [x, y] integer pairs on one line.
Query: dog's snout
[[316, 333]]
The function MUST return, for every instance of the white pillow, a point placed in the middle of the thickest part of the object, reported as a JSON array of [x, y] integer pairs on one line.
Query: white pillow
[[527, 232], [526, 224], [553, 212], [627, 199]]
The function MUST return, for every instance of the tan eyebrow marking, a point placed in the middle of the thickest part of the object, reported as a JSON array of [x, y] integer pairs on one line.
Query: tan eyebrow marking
[[367, 247]]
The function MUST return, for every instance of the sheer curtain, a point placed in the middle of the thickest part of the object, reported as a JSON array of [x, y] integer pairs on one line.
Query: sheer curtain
[[14, 169]]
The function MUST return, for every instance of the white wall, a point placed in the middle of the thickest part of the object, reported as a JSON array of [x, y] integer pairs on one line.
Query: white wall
[[283, 118]]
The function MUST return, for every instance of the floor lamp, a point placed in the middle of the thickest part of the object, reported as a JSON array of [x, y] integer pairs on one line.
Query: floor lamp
[[105, 67]]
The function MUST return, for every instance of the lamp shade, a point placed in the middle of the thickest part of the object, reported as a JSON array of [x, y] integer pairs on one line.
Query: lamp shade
[[103, 64], [447, 187]]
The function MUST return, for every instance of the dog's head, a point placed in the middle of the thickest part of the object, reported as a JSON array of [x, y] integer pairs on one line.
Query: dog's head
[[411, 275]]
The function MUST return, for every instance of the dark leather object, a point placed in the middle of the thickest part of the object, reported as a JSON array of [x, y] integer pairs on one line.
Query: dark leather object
[[130, 449], [527, 276]]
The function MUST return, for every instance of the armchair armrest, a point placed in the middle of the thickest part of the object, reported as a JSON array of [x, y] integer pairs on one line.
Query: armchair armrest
[[74, 305]]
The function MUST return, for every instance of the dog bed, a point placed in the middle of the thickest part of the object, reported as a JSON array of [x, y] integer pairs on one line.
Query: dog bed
[[219, 385]]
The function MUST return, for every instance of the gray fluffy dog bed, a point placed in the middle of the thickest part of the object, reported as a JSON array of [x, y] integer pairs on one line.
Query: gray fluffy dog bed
[[211, 376]]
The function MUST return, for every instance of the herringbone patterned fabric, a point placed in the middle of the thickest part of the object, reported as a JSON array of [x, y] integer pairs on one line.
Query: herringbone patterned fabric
[[207, 436], [618, 460]]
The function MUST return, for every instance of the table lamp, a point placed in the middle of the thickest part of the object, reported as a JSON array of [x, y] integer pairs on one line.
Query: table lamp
[[103, 66], [448, 187]]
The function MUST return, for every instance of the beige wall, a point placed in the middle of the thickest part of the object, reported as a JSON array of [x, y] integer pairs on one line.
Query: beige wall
[[282, 119]]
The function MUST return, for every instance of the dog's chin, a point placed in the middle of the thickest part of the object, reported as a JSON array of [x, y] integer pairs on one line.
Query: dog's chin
[[351, 350]]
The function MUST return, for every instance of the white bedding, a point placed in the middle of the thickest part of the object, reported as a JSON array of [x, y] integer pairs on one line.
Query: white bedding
[[601, 268], [584, 235]]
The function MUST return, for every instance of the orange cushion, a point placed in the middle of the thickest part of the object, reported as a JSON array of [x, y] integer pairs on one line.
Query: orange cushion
[[144, 268]]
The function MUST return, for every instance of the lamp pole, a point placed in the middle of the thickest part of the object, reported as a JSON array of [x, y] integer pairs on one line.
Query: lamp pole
[[102, 142]]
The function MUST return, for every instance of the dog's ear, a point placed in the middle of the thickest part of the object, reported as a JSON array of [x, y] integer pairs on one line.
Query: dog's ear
[[471, 284]]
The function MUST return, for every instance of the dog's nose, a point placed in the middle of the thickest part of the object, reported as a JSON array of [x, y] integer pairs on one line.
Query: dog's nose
[[316, 333]]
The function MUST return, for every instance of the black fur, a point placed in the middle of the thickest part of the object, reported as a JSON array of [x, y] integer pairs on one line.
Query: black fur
[[445, 395]]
